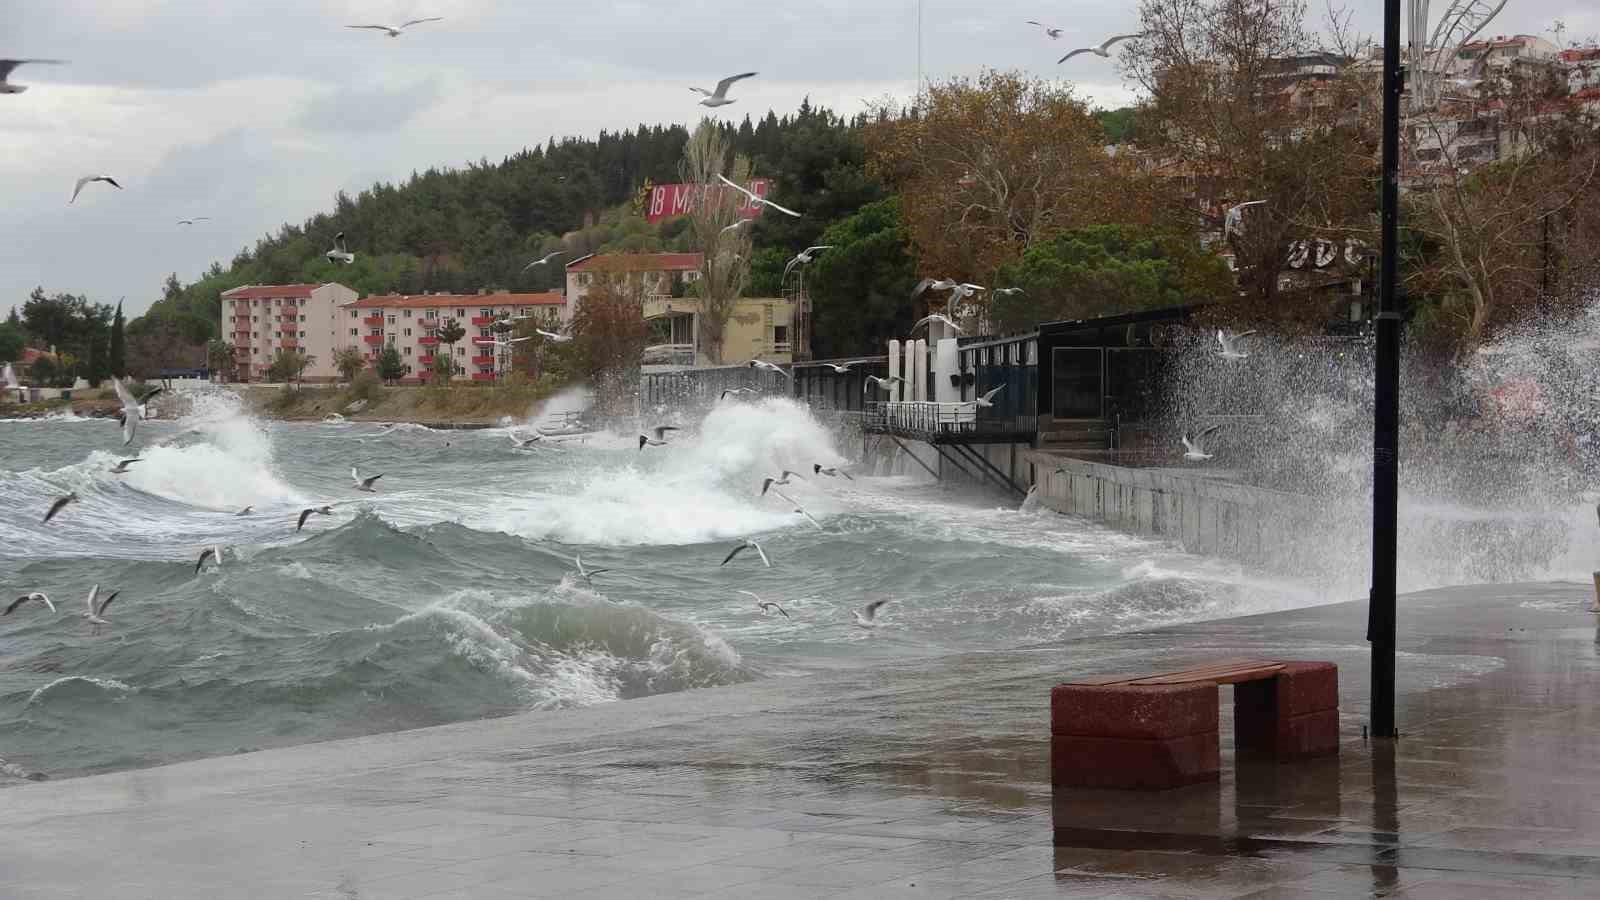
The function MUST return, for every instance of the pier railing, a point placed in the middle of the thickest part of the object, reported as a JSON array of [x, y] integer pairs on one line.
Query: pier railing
[[947, 423]]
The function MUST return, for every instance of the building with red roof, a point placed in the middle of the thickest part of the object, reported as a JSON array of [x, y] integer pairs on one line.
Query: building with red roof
[[261, 320], [410, 323]]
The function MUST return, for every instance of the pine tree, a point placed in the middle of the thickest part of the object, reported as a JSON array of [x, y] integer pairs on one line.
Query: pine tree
[[118, 361]]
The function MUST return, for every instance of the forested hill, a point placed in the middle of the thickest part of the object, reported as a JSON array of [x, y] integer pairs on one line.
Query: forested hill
[[478, 226]]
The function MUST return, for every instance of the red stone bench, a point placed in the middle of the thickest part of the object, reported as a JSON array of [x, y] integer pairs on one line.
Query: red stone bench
[[1154, 732]]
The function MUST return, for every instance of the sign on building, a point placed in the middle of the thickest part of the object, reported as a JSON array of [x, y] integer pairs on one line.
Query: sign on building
[[668, 200]]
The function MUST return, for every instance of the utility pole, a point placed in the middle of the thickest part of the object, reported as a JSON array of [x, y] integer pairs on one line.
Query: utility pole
[[1386, 396]]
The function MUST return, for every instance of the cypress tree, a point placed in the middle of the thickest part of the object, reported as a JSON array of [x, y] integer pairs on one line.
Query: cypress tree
[[118, 360]]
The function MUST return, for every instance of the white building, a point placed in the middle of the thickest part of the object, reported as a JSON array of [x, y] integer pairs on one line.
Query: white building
[[261, 319], [410, 323]]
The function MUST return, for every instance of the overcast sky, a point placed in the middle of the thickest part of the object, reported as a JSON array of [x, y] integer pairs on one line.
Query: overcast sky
[[255, 113]]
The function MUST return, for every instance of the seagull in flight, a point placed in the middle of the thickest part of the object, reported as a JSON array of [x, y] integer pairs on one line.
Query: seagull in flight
[[660, 439], [728, 391], [747, 544], [736, 226], [395, 30], [552, 336], [1230, 344], [87, 179], [132, 410], [820, 469], [843, 368], [719, 97], [60, 504], [586, 574], [1104, 49], [212, 552], [245, 512], [523, 443], [324, 510], [1053, 33], [803, 258], [800, 509], [122, 465], [782, 479], [1193, 450], [937, 318], [987, 400], [339, 254], [880, 382], [770, 367], [766, 606], [6, 65], [363, 484], [867, 616], [758, 201], [194, 220], [1008, 291], [94, 612], [545, 259], [34, 597]]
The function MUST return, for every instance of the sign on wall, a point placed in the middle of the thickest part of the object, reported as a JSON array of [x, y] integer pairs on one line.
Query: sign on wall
[[668, 200]]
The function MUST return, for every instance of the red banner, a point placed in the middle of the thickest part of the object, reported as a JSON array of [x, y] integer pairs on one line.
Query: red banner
[[668, 200]]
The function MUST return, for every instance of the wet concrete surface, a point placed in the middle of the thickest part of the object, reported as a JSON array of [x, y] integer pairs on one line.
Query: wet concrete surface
[[919, 779]]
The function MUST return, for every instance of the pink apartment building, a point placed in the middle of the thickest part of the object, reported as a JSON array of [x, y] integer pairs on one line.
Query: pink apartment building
[[410, 324], [261, 319]]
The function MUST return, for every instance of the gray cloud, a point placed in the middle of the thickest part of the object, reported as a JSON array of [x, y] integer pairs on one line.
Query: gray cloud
[[376, 109], [257, 113]]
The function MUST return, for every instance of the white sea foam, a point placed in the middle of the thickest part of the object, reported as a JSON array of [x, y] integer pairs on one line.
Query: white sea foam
[[231, 466], [110, 685]]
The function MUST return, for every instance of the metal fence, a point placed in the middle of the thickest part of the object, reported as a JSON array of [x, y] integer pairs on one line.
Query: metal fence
[[934, 422]]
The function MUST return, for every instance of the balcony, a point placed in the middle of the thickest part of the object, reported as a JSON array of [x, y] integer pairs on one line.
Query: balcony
[[483, 321], [241, 336], [373, 321], [482, 376], [483, 342], [483, 360], [290, 319], [429, 341], [426, 361], [429, 324], [290, 343], [372, 338]]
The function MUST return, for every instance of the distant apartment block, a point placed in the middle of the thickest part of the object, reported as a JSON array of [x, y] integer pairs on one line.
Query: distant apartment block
[[664, 275], [410, 323], [260, 319]]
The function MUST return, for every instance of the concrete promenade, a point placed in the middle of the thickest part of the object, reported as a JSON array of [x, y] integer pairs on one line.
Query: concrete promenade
[[919, 779]]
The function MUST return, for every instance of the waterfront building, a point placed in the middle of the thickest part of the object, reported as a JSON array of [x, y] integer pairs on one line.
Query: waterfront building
[[259, 320], [410, 323]]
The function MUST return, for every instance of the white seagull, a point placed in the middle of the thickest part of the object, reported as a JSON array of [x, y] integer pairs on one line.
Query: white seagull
[[1053, 33], [987, 400], [880, 382], [323, 510], [867, 616], [522, 442], [759, 201], [800, 509], [819, 469], [843, 368], [552, 336], [133, 411], [78, 187], [660, 439], [736, 226], [194, 220], [1230, 344], [245, 512], [122, 465], [545, 259], [363, 484], [747, 544], [728, 391], [766, 605], [94, 613], [1192, 449], [6, 87], [783, 478], [586, 574], [759, 364], [937, 318], [719, 97], [1008, 291], [339, 254], [804, 257], [34, 597], [395, 30], [212, 552], [1104, 49]]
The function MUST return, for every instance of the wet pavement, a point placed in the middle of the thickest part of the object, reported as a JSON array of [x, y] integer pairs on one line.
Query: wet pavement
[[919, 779]]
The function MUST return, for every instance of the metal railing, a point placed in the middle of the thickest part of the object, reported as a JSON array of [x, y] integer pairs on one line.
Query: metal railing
[[931, 421]]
